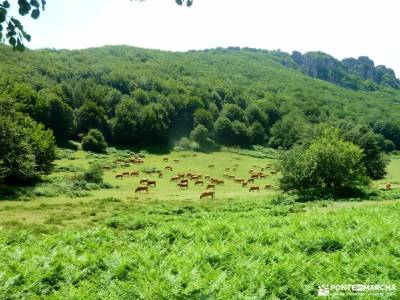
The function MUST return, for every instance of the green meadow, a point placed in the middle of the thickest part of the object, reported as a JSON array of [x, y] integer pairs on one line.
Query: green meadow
[[62, 241]]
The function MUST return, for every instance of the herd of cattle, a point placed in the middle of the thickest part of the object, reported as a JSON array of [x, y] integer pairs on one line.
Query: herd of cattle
[[184, 179]]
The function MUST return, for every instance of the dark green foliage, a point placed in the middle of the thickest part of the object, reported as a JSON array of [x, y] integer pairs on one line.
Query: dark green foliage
[[328, 166], [26, 148], [144, 98], [94, 141], [89, 116], [94, 174], [199, 135]]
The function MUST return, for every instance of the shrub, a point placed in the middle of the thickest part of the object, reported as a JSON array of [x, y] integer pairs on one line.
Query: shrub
[[94, 174], [94, 141], [327, 166]]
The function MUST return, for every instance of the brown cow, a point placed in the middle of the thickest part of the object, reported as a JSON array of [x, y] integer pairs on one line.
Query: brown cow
[[141, 188], [254, 189], [119, 176], [199, 182], [254, 176], [239, 180], [135, 174], [207, 177], [183, 185], [184, 181], [207, 193], [146, 181], [244, 184], [125, 174], [268, 186], [251, 180], [388, 186], [274, 172], [169, 168], [160, 175], [220, 182], [152, 183], [165, 159], [210, 186], [211, 166], [175, 178]]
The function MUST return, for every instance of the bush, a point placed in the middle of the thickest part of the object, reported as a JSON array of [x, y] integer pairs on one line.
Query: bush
[[94, 141], [328, 166], [94, 174]]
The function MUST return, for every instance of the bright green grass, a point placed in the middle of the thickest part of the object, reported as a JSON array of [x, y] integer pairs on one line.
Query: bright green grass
[[161, 246]]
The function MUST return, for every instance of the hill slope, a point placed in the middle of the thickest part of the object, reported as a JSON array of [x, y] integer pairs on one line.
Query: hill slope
[[167, 93]]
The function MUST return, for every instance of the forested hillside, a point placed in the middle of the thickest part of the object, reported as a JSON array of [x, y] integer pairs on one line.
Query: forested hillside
[[233, 97]]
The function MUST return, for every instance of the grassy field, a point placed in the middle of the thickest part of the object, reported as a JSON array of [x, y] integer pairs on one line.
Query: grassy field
[[60, 242]]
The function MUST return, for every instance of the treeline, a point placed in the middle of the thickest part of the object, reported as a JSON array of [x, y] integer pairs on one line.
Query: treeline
[[138, 97]]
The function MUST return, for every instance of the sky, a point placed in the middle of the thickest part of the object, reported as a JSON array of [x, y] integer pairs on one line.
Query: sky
[[342, 28]]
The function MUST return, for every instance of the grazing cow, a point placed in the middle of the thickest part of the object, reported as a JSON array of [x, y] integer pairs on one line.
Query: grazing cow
[[274, 172], [210, 186], [175, 178], [211, 166], [142, 188], [181, 175], [239, 180], [125, 174], [199, 182], [268, 186], [135, 174], [152, 183], [244, 184], [138, 161], [144, 181], [207, 193], [169, 168], [119, 176], [165, 159], [388, 186], [207, 177], [251, 180], [185, 181], [254, 176], [254, 189], [231, 176], [160, 175], [183, 185], [194, 177], [220, 182], [214, 180]]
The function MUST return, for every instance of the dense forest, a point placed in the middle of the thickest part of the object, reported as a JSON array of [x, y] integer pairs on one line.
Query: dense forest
[[141, 98]]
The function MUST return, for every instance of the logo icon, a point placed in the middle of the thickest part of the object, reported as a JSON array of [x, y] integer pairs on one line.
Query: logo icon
[[323, 290]]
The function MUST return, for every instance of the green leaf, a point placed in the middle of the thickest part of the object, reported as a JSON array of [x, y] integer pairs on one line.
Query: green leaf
[[35, 13], [6, 4], [12, 41], [3, 14]]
